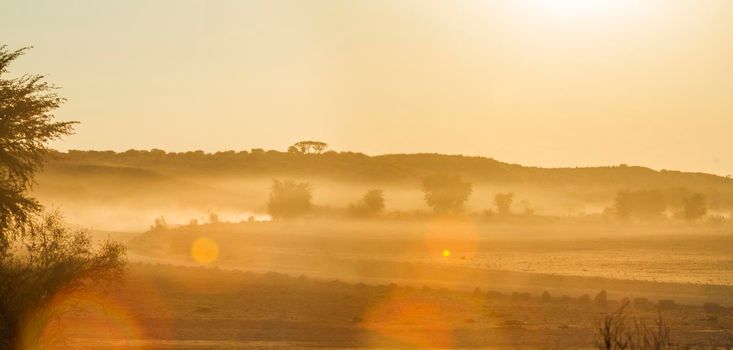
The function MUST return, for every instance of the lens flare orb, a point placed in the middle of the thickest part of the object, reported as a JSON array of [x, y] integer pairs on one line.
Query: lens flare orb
[[204, 250]]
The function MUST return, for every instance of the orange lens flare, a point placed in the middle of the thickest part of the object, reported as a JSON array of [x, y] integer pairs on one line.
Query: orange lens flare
[[204, 250], [81, 316]]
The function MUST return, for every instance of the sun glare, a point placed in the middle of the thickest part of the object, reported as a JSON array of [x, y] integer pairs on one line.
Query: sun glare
[[578, 8], [446, 253]]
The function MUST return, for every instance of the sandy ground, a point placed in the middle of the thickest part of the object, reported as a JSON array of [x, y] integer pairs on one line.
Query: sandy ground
[[692, 265], [388, 286], [162, 307]]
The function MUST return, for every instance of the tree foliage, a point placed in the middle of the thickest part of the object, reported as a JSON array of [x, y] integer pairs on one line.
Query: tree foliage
[[26, 126], [51, 260], [640, 204], [694, 206], [503, 202], [289, 199], [446, 193], [308, 147], [371, 204], [40, 258]]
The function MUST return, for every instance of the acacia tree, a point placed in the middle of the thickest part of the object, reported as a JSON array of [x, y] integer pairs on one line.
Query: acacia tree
[[308, 147], [26, 127], [40, 258], [446, 193]]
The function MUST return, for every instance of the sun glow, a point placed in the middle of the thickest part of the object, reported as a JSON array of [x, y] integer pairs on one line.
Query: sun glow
[[578, 8]]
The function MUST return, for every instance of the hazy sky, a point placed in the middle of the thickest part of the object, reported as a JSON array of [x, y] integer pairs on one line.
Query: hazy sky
[[544, 82]]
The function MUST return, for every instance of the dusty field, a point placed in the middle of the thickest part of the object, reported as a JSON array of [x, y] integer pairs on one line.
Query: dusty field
[[688, 264], [388, 285], [161, 307]]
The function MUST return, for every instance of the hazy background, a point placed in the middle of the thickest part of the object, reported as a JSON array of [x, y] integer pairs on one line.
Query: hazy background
[[548, 83]]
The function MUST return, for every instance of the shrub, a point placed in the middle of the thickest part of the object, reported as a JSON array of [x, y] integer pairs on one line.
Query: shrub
[[503, 202], [601, 299], [289, 199], [694, 207], [50, 260], [616, 332], [371, 204]]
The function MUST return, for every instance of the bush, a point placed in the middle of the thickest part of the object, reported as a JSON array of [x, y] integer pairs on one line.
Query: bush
[[371, 204], [503, 202], [289, 199], [160, 224], [616, 332], [47, 261], [601, 299]]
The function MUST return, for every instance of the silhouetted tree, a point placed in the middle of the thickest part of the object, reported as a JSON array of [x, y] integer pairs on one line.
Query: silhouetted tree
[[446, 193], [289, 199], [371, 204], [40, 258], [694, 207], [306, 147], [642, 204], [26, 127], [214, 218], [159, 224], [503, 202]]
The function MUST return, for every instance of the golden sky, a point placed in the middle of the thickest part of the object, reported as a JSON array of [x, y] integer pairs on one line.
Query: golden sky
[[535, 82]]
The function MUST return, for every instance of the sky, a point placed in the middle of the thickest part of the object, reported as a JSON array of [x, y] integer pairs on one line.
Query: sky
[[552, 83]]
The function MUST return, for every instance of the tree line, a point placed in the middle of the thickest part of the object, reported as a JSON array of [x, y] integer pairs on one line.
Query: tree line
[[447, 194], [314, 159]]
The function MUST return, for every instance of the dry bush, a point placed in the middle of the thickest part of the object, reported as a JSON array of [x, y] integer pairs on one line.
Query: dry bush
[[618, 332]]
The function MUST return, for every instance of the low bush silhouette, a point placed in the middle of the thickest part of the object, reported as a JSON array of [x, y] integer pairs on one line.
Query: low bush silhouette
[[289, 199]]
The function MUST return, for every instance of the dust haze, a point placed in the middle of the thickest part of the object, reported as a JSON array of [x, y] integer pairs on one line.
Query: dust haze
[[425, 227], [330, 174]]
